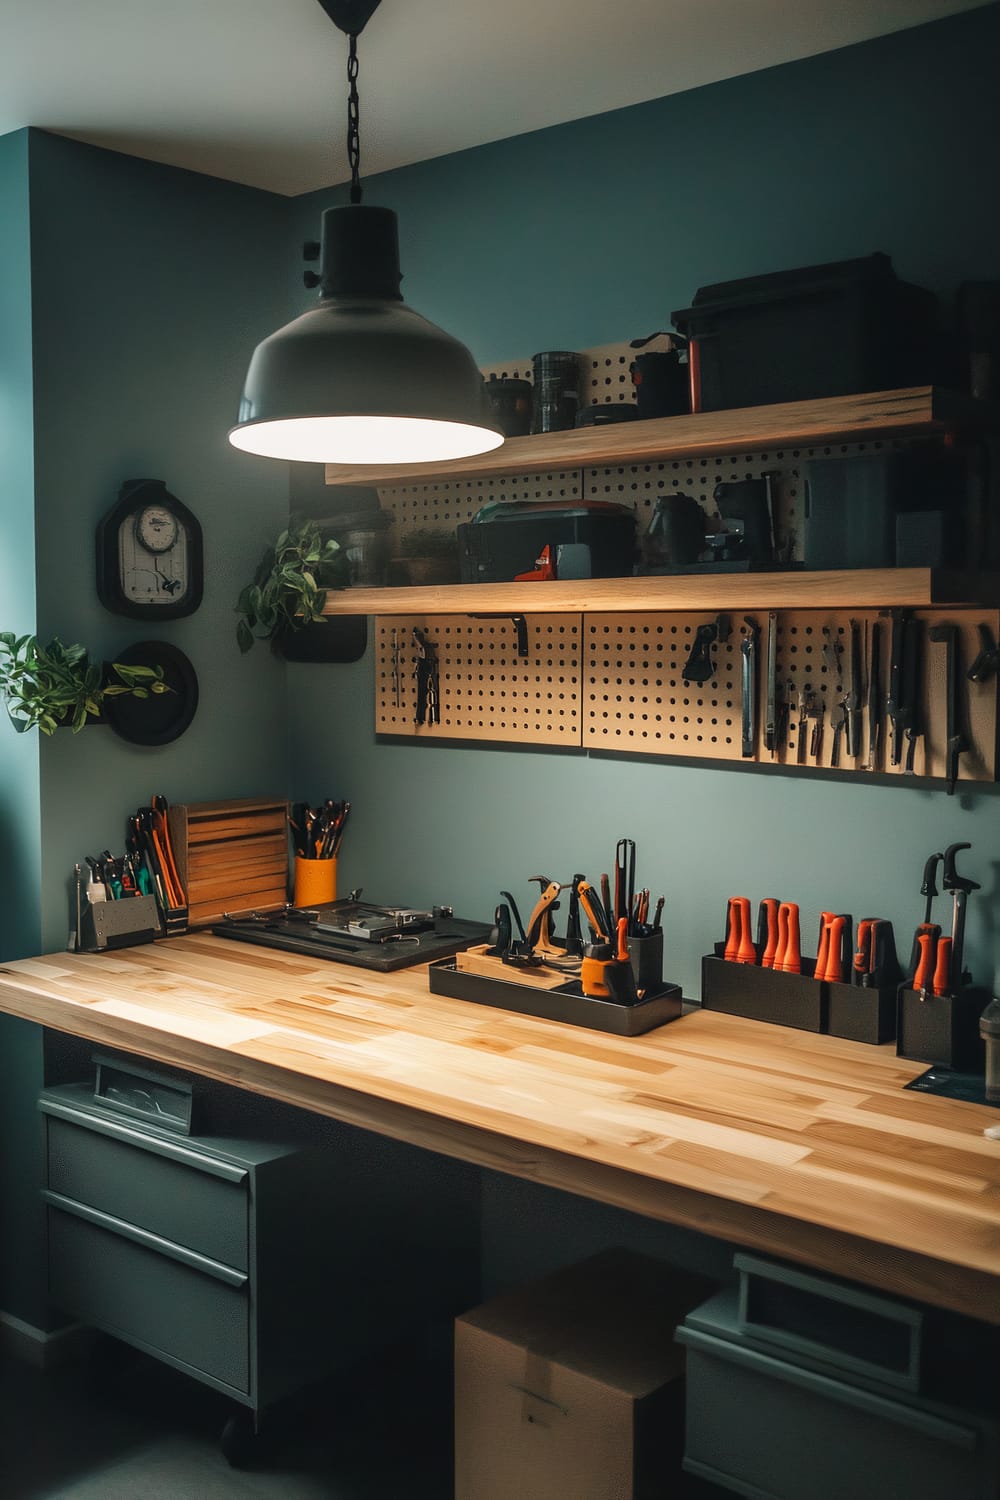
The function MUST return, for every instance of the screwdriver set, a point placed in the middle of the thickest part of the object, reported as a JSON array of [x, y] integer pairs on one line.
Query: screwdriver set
[[855, 987]]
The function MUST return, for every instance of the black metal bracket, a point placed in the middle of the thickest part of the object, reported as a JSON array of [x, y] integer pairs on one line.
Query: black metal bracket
[[350, 16], [520, 625]]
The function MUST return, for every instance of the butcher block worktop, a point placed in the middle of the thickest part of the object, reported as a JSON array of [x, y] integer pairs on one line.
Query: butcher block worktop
[[803, 1146]]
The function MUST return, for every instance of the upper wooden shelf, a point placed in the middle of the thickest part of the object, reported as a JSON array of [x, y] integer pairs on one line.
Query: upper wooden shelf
[[871, 588], [833, 419]]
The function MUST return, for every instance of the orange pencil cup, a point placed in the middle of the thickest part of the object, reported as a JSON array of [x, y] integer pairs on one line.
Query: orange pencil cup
[[315, 881]]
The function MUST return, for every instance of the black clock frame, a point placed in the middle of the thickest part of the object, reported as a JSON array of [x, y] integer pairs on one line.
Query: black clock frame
[[134, 496]]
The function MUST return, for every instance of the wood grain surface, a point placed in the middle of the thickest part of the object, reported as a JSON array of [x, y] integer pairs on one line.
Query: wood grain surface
[[799, 1145], [861, 588], [916, 409]]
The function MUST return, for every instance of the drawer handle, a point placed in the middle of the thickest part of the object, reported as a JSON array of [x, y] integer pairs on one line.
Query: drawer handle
[[173, 1151], [155, 1242]]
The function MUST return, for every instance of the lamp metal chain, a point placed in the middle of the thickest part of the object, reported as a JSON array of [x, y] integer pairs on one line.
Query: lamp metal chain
[[353, 116]]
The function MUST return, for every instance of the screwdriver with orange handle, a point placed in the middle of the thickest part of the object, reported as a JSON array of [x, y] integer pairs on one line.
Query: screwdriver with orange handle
[[767, 931], [875, 964], [788, 952], [834, 945], [940, 984], [739, 947]]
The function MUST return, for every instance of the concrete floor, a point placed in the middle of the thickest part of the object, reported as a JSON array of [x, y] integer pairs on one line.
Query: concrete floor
[[124, 1427]]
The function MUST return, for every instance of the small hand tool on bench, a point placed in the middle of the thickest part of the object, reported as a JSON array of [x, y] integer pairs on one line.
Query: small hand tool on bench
[[960, 887], [519, 952], [875, 964], [540, 932], [923, 956], [739, 947], [788, 953], [833, 956], [767, 930]]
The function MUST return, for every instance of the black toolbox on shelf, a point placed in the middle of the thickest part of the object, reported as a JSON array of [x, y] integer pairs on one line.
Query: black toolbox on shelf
[[507, 538], [827, 330]]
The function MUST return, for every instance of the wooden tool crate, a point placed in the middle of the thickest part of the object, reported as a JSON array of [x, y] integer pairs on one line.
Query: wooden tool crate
[[231, 856]]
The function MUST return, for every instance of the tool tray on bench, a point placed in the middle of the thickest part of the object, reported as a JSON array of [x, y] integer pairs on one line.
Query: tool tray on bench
[[491, 982], [412, 943]]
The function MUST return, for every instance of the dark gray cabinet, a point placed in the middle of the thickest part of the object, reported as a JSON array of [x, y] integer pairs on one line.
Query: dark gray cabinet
[[221, 1255]]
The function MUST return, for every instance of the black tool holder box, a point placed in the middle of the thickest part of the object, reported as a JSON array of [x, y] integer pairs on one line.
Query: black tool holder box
[[763, 994], [510, 538], [858, 1013], [828, 330], [942, 1029]]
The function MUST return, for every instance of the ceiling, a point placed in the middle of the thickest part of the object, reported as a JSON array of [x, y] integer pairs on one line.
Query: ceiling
[[255, 91]]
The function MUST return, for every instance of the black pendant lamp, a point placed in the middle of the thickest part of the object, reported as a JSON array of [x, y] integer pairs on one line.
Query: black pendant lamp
[[361, 378]]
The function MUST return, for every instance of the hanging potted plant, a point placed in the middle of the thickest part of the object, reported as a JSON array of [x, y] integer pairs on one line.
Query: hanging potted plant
[[45, 687], [289, 587]]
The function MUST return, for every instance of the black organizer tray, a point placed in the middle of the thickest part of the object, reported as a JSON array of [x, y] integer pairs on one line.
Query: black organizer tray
[[446, 937], [566, 1003]]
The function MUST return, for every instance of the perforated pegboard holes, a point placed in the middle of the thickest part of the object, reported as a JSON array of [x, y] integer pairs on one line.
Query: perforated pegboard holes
[[636, 697], [487, 691]]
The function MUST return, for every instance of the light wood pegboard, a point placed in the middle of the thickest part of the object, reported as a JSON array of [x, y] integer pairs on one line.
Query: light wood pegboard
[[487, 691], [616, 683], [636, 698]]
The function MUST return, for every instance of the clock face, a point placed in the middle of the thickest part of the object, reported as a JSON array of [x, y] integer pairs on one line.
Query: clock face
[[156, 529], [153, 571]]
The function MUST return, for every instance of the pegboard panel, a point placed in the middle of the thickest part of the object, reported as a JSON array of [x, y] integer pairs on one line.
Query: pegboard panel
[[606, 379], [637, 699], [486, 690]]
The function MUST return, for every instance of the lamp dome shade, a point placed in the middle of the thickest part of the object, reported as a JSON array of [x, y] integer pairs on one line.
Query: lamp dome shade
[[362, 378]]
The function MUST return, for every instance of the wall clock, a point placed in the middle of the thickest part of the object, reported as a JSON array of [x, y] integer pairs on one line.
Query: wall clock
[[149, 554]]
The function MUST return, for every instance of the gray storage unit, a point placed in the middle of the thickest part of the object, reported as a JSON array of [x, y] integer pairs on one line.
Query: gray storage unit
[[224, 1257], [764, 1425]]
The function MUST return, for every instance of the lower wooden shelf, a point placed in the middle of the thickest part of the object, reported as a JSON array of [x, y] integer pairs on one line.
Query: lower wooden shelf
[[869, 588]]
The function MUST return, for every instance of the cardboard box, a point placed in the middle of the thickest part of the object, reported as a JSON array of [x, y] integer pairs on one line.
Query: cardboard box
[[573, 1386]]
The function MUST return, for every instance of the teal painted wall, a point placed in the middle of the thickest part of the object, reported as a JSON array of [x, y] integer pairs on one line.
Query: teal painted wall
[[151, 288], [20, 845], [135, 308], [593, 232]]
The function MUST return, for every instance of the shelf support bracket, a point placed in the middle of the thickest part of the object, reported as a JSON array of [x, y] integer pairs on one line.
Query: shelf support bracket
[[520, 625]]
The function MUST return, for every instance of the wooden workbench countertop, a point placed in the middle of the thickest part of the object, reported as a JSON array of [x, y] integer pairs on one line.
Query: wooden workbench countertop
[[799, 1145]]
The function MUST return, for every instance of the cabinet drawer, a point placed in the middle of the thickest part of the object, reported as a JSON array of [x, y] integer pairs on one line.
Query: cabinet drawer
[[150, 1299], [761, 1426], [181, 1199]]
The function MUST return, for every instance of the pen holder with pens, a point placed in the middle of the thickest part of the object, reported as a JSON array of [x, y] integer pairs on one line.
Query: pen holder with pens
[[314, 881]]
